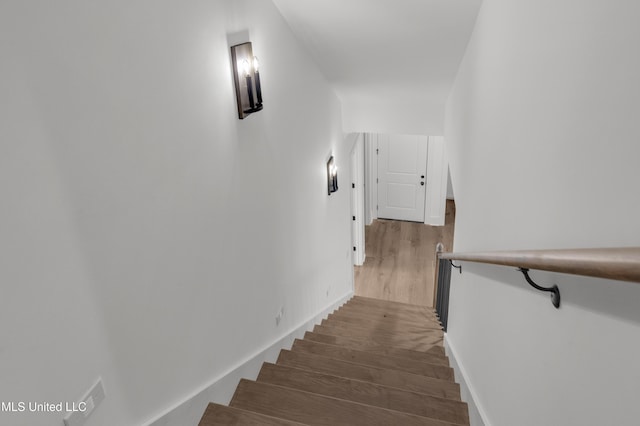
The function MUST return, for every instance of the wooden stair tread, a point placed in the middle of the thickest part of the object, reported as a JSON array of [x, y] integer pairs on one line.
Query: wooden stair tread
[[393, 378], [413, 342], [314, 409], [370, 362], [392, 307], [382, 328], [388, 314], [373, 328], [433, 356], [365, 393], [435, 350], [377, 329], [390, 303], [385, 325], [359, 311], [217, 415], [382, 321], [436, 371], [425, 313]]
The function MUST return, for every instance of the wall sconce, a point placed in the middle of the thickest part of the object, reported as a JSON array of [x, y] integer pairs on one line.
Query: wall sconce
[[332, 176], [246, 76]]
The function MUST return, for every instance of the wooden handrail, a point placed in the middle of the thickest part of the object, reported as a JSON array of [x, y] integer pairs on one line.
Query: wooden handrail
[[621, 264]]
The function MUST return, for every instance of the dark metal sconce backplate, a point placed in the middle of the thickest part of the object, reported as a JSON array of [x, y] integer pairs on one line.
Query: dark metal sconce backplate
[[246, 78], [332, 176]]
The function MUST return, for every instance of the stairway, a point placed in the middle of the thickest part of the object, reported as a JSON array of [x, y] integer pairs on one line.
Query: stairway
[[371, 362]]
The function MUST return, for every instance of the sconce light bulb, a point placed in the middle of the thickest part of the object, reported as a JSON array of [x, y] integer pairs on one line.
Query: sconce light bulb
[[256, 64], [246, 67]]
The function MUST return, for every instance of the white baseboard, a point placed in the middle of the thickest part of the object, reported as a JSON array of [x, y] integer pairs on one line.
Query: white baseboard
[[477, 415], [221, 389]]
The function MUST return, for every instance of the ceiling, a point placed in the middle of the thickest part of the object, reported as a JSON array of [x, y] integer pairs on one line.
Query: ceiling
[[391, 60]]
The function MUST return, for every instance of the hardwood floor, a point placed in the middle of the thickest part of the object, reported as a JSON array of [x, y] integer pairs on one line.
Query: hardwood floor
[[400, 263]]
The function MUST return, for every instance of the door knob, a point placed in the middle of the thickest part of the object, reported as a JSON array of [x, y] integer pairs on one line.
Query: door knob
[[421, 183], [422, 176]]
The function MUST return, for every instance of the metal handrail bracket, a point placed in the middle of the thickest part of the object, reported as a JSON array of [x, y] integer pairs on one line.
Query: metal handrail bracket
[[554, 290]]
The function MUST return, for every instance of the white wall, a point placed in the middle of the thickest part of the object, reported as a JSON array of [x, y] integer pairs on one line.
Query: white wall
[[542, 128], [388, 115], [392, 62], [450, 194], [148, 235]]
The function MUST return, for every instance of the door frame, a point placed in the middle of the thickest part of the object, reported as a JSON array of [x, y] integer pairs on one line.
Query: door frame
[[370, 178], [437, 172], [356, 191]]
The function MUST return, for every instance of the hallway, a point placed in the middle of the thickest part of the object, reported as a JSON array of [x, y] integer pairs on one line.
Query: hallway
[[400, 263]]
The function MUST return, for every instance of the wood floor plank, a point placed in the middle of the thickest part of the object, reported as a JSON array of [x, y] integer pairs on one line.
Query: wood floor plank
[[314, 409], [381, 376], [220, 415], [365, 393], [432, 356], [436, 371], [396, 324], [415, 342], [401, 259]]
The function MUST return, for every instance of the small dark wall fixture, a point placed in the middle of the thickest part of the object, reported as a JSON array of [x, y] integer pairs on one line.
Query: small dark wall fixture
[[246, 77], [332, 176]]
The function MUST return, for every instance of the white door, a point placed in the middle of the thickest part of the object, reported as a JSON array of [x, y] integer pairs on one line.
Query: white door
[[402, 168]]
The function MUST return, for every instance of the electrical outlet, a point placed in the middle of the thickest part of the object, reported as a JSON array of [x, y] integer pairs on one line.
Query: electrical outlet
[[81, 410]]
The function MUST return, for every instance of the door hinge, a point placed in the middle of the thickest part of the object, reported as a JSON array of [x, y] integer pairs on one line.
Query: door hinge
[[354, 249], [376, 207], [353, 185], [376, 180], [377, 151], [354, 218]]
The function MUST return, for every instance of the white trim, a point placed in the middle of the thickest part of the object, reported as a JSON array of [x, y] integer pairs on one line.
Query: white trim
[[220, 390], [477, 414], [436, 193], [371, 174], [357, 200], [374, 178]]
